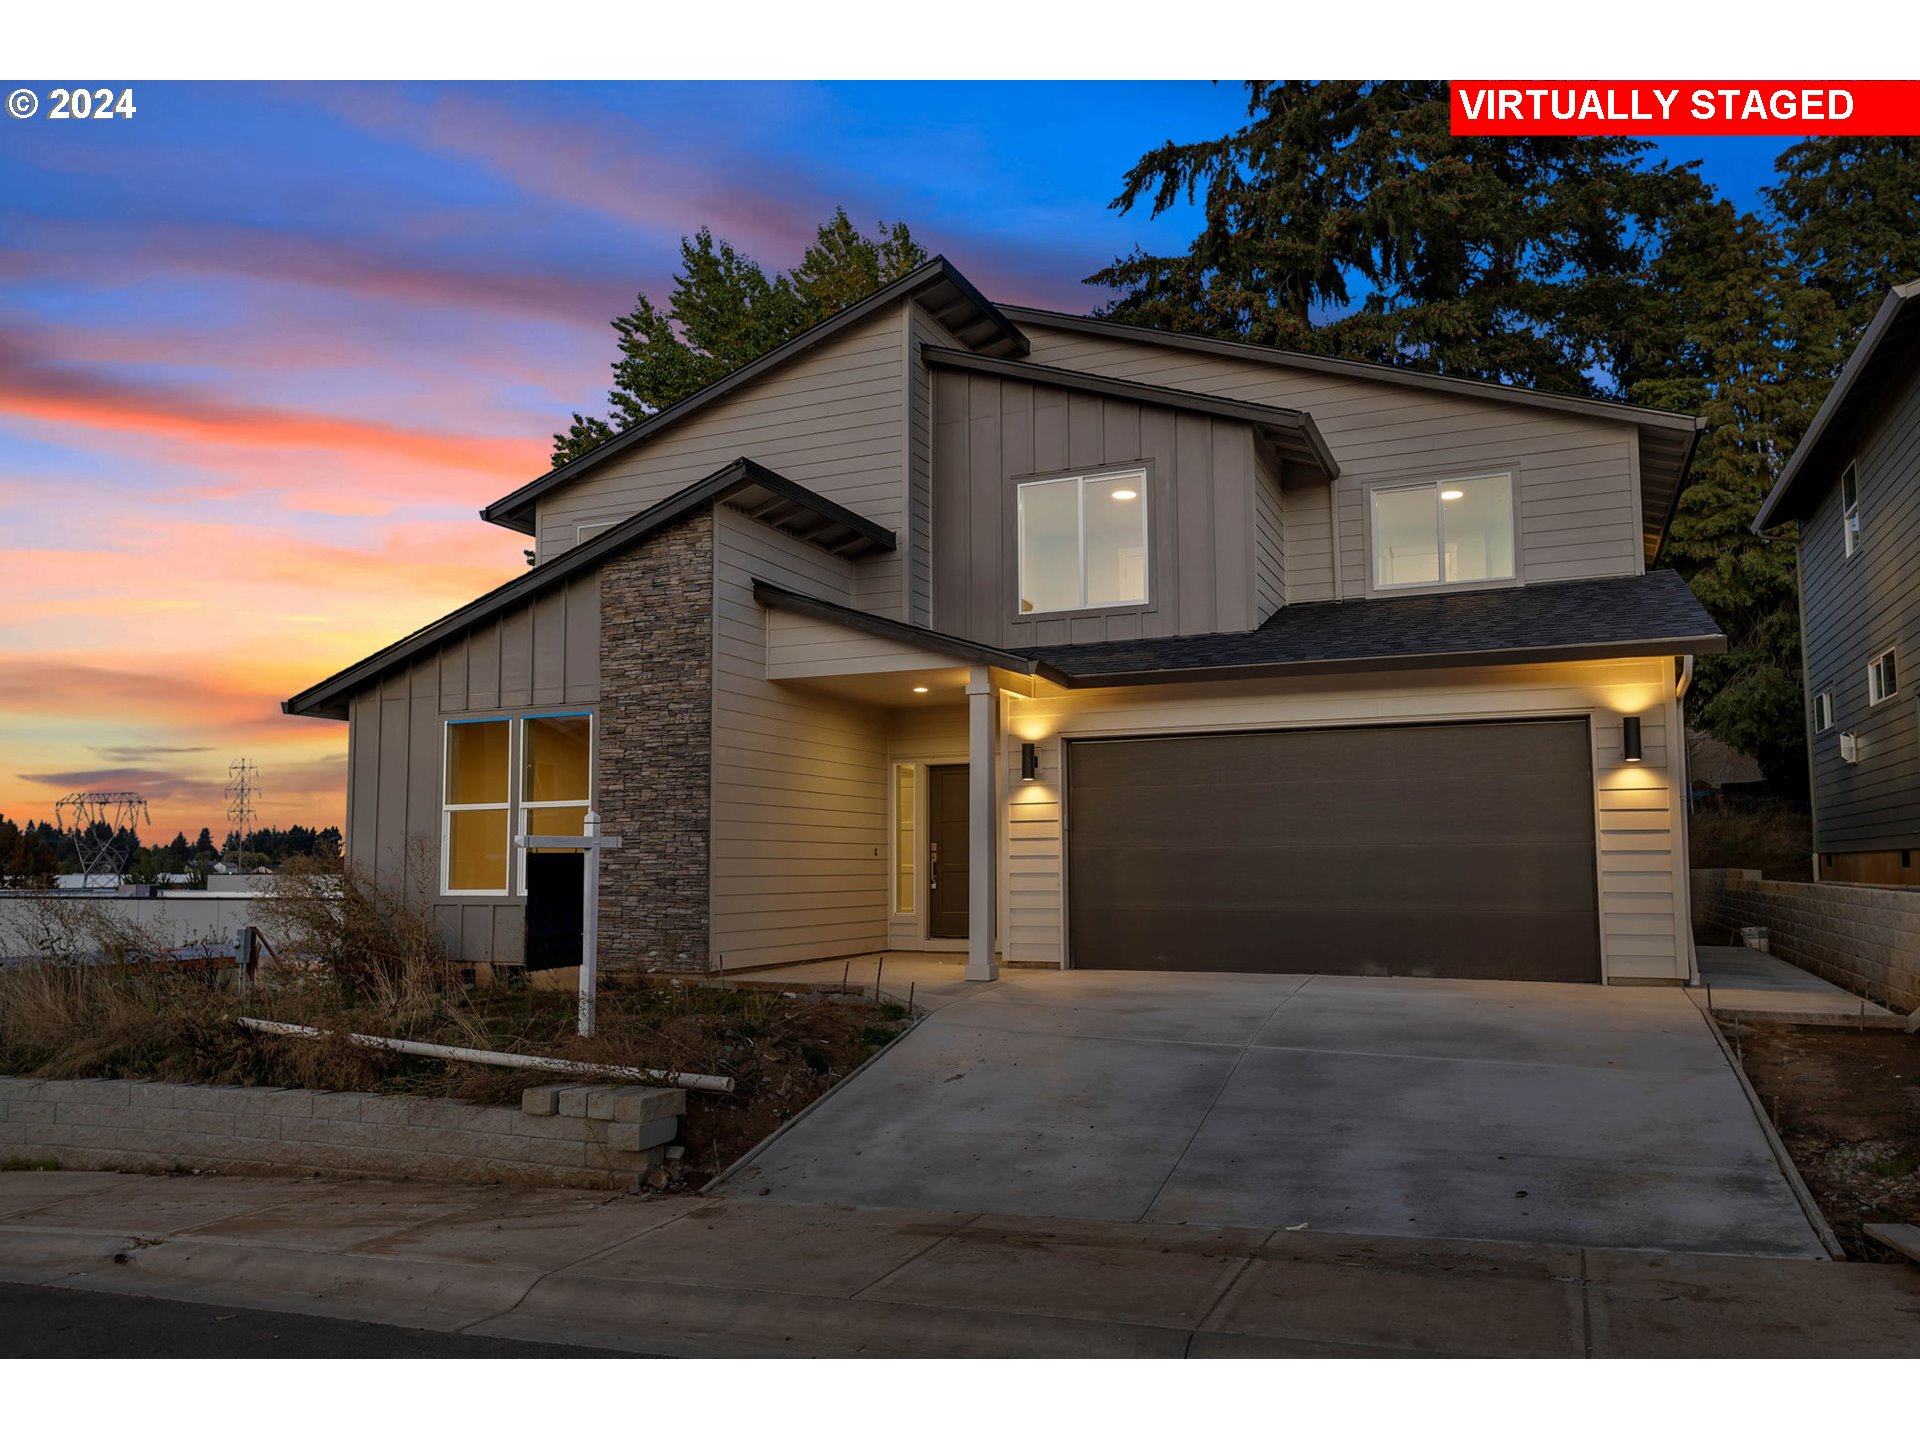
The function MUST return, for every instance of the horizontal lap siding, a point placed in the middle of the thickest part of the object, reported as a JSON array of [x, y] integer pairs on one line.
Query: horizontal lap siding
[[540, 654], [1642, 916], [834, 419], [1855, 608], [799, 798], [1378, 430]]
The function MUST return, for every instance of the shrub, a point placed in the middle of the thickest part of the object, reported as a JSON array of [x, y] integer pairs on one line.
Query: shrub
[[1736, 833]]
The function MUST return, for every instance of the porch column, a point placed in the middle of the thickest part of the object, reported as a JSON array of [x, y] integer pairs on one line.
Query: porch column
[[983, 821]]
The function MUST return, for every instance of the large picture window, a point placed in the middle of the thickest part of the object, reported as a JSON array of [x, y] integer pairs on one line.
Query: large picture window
[[476, 807], [1443, 532], [1083, 542]]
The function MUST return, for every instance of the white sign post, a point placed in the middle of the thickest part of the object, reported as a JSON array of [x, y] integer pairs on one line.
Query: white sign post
[[592, 842]]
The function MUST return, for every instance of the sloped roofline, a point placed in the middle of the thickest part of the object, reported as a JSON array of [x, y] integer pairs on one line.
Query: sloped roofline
[[1859, 367], [838, 529], [515, 511], [1360, 369], [1303, 436]]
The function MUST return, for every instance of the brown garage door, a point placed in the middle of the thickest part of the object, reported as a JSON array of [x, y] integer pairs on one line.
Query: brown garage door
[[1456, 850]]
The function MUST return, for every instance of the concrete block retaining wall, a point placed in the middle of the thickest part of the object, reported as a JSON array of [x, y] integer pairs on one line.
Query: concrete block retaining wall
[[1865, 938], [618, 1134]]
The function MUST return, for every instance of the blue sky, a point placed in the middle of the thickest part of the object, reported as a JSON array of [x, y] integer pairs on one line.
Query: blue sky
[[265, 349]]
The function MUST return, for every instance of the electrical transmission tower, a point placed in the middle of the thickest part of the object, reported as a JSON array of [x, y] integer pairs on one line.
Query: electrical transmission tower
[[103, 828], [243, 788]]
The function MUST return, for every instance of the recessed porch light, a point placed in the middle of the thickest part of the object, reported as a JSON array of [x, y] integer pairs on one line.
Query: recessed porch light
[[919, 689], [1452, 494], [1126, 494]]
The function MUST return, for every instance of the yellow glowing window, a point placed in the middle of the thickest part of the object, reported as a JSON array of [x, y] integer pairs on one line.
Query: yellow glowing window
[[478, 776], [556, 774], [904, 897]]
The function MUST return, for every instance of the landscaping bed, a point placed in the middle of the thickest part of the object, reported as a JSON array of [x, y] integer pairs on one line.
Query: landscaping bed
[[1847, 1105]]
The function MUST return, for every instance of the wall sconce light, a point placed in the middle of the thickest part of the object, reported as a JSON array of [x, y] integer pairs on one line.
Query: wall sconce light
[[1630, 738], [1029, 760]]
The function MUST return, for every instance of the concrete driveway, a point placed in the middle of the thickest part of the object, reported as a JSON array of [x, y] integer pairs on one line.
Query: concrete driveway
[[1486, 1110]]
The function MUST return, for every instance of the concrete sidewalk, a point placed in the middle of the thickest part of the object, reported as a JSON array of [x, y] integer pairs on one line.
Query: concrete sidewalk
[[743, 1277], [1743, 984]]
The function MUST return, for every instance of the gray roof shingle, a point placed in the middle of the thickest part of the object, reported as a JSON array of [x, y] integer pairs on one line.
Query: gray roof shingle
[[1651, 614]]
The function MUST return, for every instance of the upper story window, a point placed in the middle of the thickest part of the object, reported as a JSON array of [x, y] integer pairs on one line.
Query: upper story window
[[1083, 542], [1882, 682], [1823, 711], [1443, 532], [584, 533], [1850, 509]]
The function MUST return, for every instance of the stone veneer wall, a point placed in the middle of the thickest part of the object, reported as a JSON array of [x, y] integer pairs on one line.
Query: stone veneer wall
[[132, 1124], [655, 764], [1865, 938]]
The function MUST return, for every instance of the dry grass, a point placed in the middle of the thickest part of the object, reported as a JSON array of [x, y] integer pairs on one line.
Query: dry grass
[[1733, 833], [362, 960]]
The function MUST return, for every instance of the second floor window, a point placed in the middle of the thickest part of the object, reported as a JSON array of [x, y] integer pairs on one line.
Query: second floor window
[[1443, 532], [1882, 683], [1850, 509], [1823, 711], [1083, 542]]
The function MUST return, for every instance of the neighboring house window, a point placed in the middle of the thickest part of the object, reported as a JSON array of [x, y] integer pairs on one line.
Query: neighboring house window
[[1083, 542], [1443, 532], [556, 775], [475, 808], [584, 533], [1850, 509], [1823, 711], [1882, 683], [905, 898]]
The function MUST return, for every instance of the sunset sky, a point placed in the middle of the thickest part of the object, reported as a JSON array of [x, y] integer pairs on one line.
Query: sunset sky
[[265, 351]]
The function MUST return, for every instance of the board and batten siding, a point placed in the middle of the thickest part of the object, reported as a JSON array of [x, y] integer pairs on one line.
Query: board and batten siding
[[799, 838], [917, 535], [1641, 880], [1577, 477], [538, 655], [1853, 608], [833, 419], [1269, 538], [992, 432]]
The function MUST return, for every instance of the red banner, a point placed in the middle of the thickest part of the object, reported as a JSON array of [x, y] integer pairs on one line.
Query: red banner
[[1686, 107]]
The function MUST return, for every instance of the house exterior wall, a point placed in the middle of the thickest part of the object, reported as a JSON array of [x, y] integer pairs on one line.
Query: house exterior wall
[[1577, 478], [990, 433], [538, 656], [1645, 928], [1853, 608], [653, 771], [1269, 538], [833, 419], [799, 858]]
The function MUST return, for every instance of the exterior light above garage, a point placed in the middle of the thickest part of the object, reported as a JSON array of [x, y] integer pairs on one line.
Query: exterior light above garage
[[1029, 761], [1630, 739], [919, 689]]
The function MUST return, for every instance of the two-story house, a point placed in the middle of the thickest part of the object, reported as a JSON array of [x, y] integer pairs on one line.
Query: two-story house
[[1054, 641], [1853, 484]]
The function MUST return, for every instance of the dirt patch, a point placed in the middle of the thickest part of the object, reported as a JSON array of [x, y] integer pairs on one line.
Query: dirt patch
[[1847, 1104]]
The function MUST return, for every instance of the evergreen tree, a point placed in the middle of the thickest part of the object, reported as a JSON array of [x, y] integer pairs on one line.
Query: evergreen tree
[[724, 311], [1849, 206], [1344, 219], [1735, 337]]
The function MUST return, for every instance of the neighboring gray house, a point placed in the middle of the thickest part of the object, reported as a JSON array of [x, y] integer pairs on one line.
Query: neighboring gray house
[[1853, 484], [949, 626]]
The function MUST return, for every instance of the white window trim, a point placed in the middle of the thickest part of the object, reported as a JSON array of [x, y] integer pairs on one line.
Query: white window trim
[[1437, 484], [1874, 695], [1851, 533], [524, 807], [448, 810], [1080, 502], [1823, 712], [894, 911]]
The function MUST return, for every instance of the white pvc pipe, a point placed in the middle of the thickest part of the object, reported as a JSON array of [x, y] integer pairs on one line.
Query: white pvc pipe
[[717, 1083]]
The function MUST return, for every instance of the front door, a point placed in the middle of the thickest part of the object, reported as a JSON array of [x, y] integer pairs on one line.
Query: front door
[[947, 852]]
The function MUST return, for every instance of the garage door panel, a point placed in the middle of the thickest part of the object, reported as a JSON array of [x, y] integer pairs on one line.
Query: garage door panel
[[1461, 850]]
